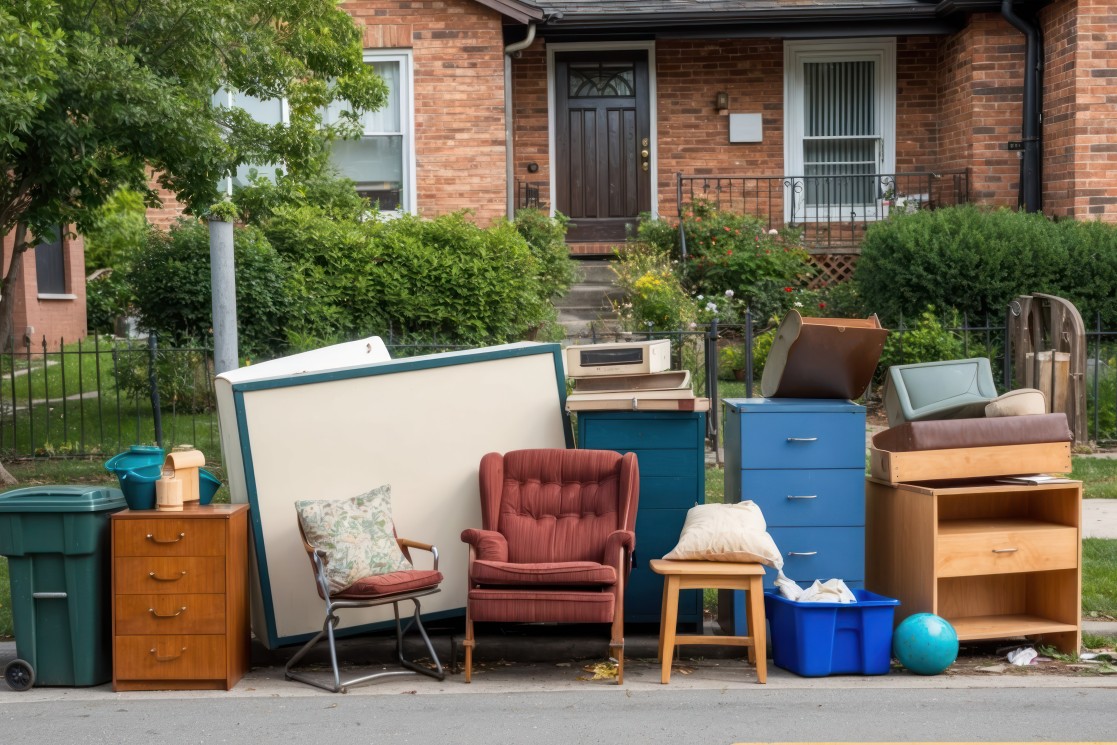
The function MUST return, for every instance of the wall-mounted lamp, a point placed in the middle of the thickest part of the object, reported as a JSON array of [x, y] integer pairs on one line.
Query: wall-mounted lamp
[[721, 103]]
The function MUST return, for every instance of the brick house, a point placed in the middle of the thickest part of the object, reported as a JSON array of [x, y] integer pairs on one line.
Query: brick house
[[816, 113], [49, 296], [594, 108]]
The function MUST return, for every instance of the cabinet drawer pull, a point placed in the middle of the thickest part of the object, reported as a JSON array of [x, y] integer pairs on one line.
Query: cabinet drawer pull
[[802, 496], [153, 539], [1005, 550], [158, 658], [157, 614], [802, 439], [157, 578], [802, 553]]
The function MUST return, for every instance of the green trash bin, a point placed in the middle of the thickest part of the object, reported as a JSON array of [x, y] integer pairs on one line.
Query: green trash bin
[[56, 539]]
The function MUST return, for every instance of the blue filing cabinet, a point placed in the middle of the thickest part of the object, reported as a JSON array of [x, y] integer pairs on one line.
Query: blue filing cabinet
[[803, 462], [670, 449]]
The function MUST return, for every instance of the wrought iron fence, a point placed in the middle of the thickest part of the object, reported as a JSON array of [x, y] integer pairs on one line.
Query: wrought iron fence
[[98, 397], [833, 211]]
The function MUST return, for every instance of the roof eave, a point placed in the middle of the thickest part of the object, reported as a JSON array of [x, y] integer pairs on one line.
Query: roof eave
[[515, 10]]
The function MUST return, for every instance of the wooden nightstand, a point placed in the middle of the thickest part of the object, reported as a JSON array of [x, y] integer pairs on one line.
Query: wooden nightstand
[[180, 598]]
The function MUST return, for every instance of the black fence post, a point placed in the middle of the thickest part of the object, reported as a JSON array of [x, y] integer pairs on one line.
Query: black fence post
[[153, 383]]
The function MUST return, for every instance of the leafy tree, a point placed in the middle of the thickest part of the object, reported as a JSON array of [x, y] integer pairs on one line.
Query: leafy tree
[[95, 94]]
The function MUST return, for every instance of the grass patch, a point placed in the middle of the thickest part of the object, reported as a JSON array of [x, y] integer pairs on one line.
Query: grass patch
[[715, 485], [1098, 641], [1099, 577], [1098, 476]]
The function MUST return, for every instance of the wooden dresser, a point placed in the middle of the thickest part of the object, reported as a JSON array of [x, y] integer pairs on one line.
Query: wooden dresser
[[180, 598], [995, 560]]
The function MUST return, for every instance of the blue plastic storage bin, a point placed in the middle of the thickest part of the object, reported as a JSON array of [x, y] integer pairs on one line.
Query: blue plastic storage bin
[[818, 639]]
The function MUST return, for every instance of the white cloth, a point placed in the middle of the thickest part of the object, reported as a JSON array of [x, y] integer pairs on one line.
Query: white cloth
[[787, 587], [830, 591]]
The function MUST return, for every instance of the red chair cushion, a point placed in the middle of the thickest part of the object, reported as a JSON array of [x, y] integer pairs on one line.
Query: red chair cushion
[[393, 583], [556, 606], [543, 573]]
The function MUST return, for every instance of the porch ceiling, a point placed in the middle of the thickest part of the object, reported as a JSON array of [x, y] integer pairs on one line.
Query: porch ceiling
[[758, 18]]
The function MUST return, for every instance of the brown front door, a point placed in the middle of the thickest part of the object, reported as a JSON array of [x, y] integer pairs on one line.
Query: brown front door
[[603, 142]]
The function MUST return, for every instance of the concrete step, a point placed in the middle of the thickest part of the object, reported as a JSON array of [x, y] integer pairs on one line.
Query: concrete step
[[596, 272]]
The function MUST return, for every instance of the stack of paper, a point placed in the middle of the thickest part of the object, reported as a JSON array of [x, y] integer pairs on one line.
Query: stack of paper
[[658, 391]]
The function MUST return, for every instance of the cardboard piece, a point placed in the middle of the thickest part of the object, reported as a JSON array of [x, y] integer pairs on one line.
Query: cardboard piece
[[336, 422], [822, 357], [182, 466]]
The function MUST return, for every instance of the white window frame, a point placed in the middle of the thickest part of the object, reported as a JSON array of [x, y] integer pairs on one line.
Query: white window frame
[[796, 53], [228, 100], [408, 197]]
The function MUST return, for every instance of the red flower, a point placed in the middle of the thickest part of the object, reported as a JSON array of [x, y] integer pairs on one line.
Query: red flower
[[729, 253], [822, 305], [788, 289], [726, 228]]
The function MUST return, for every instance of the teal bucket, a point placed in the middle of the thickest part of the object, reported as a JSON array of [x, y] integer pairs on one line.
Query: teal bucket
[[138, 488]]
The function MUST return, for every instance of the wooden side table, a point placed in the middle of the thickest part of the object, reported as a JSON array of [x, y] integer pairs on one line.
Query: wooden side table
[[698, 575]]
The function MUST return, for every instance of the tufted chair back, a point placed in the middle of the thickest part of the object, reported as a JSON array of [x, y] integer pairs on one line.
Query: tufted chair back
[[558, 505]]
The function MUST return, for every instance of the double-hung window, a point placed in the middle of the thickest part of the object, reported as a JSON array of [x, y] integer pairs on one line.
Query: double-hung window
[[50, 265], [381, 161], [266, 111], [840, 129]]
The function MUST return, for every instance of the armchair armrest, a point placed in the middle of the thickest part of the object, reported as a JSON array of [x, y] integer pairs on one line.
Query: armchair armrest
[[489, 544], [615, 544], [406, 543]]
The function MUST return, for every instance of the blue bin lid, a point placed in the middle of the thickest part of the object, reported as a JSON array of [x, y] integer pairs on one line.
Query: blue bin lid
[[62, 498], [136, 456]]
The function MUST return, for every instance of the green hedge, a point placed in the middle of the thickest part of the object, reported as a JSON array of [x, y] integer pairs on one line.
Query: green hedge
[[976, 261]]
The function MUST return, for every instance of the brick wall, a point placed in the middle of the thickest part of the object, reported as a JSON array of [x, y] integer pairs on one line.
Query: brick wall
[[458, 59], [982, 92], [1080, 89]]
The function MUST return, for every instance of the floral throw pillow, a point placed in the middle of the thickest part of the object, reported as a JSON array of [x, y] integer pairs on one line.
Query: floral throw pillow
[[357, 535]]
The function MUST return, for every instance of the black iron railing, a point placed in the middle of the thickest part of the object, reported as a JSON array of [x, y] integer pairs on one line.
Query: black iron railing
[[831, 210], [529, 195]]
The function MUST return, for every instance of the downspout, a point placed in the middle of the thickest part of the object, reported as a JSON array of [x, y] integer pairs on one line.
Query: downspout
[[1031, 176], [509, 178]]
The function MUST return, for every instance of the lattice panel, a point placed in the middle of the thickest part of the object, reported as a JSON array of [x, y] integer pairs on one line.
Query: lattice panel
[[833, 268]]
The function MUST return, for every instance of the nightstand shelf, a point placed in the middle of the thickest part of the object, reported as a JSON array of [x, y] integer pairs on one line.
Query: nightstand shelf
[[995, 560]]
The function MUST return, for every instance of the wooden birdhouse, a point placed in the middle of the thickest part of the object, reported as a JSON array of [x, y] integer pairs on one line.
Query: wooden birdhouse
[[183, 465]]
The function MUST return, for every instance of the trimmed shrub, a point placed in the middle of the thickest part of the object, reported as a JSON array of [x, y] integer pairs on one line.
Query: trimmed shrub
[[546, 237], [170, 278], [967, 258]]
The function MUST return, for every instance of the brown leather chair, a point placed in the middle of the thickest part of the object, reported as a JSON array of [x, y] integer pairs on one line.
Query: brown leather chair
[[556, 542]]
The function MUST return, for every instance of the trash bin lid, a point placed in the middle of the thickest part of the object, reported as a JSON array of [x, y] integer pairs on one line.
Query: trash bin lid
[[62, 498]]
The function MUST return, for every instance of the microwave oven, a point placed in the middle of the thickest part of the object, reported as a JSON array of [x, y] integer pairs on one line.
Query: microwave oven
[[624, 358]]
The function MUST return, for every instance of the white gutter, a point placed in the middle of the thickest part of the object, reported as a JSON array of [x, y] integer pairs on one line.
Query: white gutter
[[509, 175]]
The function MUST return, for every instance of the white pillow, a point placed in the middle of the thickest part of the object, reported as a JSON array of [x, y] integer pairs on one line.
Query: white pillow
[[357, 535], [726, 532]]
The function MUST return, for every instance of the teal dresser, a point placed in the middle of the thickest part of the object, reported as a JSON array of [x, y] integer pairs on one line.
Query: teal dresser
[[803, 462], [670, 449]]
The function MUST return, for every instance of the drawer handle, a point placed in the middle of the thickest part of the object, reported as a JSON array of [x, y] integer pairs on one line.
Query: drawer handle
[[159, 658], [153, 539], [157, 614], [802, 496], [1005, 550], [802, 553], [802, 439], [157, 578]]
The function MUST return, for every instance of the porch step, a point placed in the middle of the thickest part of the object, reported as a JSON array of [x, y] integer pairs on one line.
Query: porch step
[[590, 301]]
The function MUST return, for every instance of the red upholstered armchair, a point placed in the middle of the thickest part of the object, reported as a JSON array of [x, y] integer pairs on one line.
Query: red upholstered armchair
[[556, 541]]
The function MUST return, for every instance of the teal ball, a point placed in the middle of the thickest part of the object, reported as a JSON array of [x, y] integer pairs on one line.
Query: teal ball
[[925, 644]]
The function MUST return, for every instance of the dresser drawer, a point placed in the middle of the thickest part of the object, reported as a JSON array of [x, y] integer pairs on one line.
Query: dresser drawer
[[641, 431], [169, 537], [176, 575], [833, 496], [170, 614], [974, 547], [803, 440], [171, 657], [821, 553]]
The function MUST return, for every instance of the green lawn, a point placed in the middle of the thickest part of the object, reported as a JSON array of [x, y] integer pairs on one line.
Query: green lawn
[[1099, 577], [1098, 476]]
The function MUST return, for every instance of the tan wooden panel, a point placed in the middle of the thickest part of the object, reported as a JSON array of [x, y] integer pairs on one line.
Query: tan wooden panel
[[970, 547], [964, 463], [177, 536], [169, 657], [170, 614], [159, 575]]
